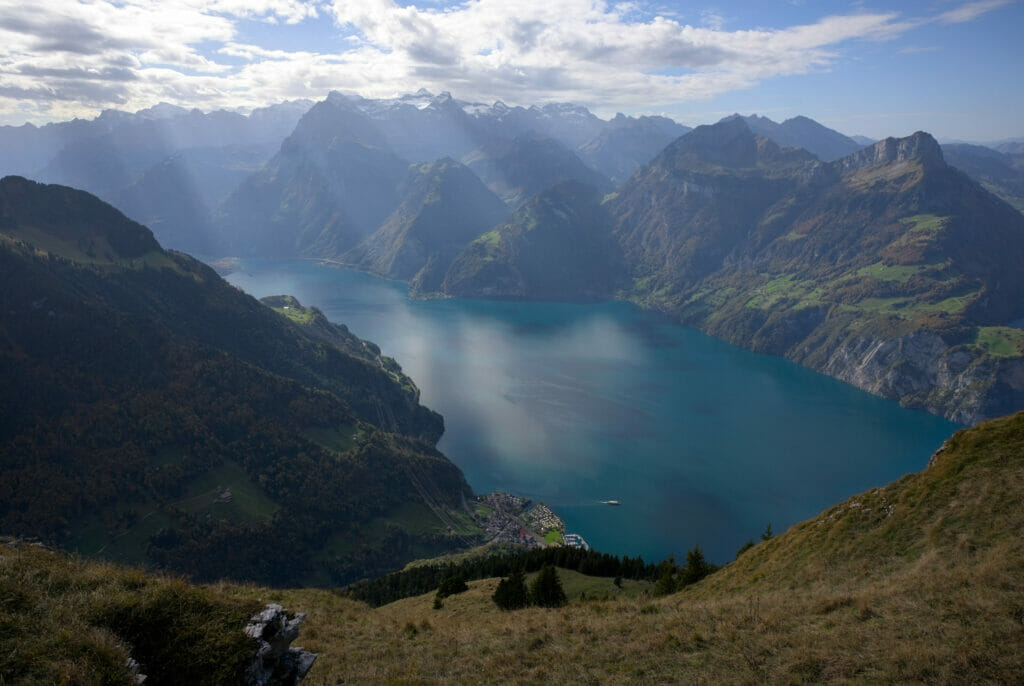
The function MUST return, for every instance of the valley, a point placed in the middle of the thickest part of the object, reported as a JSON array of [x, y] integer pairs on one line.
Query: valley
[[573, 404], [884, 265], [473, 342], [623, 312]]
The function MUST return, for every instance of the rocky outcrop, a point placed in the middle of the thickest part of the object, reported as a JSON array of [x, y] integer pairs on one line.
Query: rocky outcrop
[[920, 147], [921, 370], [277, 664], [893, 368]]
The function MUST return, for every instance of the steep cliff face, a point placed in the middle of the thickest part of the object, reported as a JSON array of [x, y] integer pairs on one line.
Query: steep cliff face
[[923, 371], [918, 148]]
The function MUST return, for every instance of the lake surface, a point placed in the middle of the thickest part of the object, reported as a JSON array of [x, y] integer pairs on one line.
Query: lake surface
[[701, 442]]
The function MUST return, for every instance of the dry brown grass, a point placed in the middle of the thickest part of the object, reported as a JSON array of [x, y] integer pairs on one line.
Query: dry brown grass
[[918, 582], [950, 629]]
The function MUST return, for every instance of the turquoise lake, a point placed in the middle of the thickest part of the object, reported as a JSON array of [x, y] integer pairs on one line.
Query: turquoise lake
[[702, 442]]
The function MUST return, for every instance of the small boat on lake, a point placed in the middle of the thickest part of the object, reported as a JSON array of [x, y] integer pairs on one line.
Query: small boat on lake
[[610, 502]]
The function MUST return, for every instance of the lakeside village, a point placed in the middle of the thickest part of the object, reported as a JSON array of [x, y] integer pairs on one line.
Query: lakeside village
[[508, 518]]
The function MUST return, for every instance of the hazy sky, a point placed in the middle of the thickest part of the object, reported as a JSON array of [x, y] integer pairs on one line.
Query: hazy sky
[[950, 67]]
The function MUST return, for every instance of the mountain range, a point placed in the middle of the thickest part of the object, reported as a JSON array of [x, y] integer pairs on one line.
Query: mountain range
[[879, 265], [886, 268], [173, 169]]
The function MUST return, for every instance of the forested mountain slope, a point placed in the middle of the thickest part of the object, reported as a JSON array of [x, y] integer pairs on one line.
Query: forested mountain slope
[[154, 413]]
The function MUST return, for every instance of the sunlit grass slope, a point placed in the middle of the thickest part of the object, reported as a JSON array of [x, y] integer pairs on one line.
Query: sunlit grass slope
[[920, 581]]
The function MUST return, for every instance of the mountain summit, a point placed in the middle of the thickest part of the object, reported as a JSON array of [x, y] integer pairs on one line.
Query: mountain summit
[[919, 148]]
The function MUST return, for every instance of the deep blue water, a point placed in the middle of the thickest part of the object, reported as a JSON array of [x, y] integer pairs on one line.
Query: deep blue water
[[702, 442]]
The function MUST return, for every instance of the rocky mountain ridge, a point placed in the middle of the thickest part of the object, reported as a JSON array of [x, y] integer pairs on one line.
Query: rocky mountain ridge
[[887, 268], [803, 132]]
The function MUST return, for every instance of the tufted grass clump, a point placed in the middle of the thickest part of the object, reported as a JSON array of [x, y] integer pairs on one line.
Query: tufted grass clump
[[68, 621]]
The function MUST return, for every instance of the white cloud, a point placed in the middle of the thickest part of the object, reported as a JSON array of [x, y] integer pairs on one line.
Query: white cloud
[[585, 50], [712, 19], [66, 58], [971, 11], [290, 11]]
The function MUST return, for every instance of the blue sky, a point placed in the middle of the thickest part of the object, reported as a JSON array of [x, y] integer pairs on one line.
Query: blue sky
[[950, 67]]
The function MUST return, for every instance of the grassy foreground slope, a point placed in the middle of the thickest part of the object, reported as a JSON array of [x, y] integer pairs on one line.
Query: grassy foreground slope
[[918, 581], [68, 621]]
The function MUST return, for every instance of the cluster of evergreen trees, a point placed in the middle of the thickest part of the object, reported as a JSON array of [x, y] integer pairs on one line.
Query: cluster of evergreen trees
[[423, 579], [451, 586], [672, 578], [545, 591]]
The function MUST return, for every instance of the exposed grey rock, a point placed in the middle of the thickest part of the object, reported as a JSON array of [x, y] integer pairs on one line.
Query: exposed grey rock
[[919, 146], [937, 455], [133, 668], [921, 370], [277, 664]]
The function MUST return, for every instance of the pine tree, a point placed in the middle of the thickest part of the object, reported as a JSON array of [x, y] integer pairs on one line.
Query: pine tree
[[546, 590], [697, 567], [451, 585], [745, 547], [511, 592], [666, 577], [767, 534]]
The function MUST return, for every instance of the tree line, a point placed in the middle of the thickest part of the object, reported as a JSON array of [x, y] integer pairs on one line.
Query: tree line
[[500, 563]]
